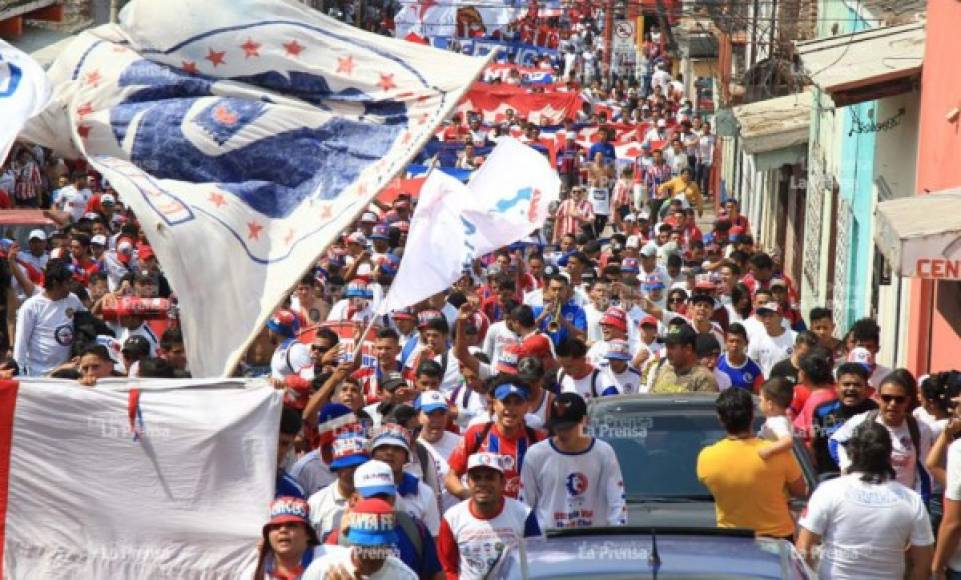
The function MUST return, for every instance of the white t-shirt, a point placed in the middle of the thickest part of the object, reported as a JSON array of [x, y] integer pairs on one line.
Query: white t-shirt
[[952, 491], [440, 451], [767, 350], [44, 333], [422, 506], [393, 568], [774, 428], [865, 527], [289, 357], [904, 458], [723, 381], [595, 381], [74, 202], [123, 333], [600, 198], [497, 339], [326, 508], [481, 544], [574, 490], [626, 382]]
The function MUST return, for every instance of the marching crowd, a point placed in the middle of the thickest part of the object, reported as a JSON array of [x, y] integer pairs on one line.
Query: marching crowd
[[432, 445]]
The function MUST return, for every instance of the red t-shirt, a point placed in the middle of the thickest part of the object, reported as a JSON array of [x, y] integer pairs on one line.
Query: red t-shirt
[[495, 442]]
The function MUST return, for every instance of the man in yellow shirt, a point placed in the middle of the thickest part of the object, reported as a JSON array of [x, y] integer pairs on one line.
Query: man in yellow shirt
[[684, 183], [748, 491]]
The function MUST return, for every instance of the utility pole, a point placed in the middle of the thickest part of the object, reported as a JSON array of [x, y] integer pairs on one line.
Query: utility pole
[[609, 40]]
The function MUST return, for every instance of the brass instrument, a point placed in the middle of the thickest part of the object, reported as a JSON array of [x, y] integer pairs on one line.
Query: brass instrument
[[554, 325]]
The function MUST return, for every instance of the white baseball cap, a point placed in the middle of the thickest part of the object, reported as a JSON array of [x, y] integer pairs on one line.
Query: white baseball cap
[[38, 235], [649, 251], [374, 477], [107, 198], [488, 460], [431, 401], [633, 242], [99, 240]]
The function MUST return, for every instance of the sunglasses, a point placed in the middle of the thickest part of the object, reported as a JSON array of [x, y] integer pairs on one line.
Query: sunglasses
[[897, 399], [318, 348]]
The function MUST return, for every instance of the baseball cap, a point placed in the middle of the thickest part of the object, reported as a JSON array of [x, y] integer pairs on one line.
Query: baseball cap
[[706, 344], [861, 356], [290, 509], [633, 242], [630, 265], [98, 240], [648, 321], [425, 316], [404, 314], [391, 434], [393, 381], [615, 317], [374, 477], [653, 282], [357, 238], [698, 297], [284, 323], [37, 235], [358, 289], [107, 199], [537, 346], [485, 460], [530, 369], [567, 410], [770, 306], [372, 522], [380, 232], [430, 401], [618, 349], [630, 217], [334, 416], [683, 334], [649, 251], [507, 361], [777, 282], [136, 345], [368, 217], [508, 389], [349, 450]]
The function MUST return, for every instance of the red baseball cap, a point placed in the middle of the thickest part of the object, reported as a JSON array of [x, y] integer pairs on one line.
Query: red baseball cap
[[615, 317]]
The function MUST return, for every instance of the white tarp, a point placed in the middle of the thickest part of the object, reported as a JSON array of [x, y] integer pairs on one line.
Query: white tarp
[[87, 501], [921, 236]]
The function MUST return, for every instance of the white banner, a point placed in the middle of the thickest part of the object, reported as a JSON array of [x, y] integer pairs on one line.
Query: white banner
[[505, 200], [24, 92], [186, 499], [245, 136]]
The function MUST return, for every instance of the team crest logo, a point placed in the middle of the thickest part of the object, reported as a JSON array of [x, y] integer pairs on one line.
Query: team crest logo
[[576, 484], [64, 335], [69, 312]]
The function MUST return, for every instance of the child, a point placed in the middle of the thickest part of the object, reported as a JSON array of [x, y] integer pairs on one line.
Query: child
[[776, 396]]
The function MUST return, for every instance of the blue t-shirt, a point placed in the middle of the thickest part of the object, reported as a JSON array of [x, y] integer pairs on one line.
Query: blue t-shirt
[[572, 312], [288, 486], [742, 377], [604, 148]]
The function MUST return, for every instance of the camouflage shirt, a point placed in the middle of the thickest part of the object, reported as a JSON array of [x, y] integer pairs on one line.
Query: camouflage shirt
[[696, 379]]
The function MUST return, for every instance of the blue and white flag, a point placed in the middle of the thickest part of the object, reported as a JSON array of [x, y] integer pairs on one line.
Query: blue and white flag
[[246, 135], [24, 92], [454, 224]]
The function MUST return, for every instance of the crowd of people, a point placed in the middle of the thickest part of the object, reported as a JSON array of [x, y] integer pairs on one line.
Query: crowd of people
[[431, 446]]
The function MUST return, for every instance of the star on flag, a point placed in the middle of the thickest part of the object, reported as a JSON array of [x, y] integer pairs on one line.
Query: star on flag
[[293, 48], [189, 67], [217, 199], [253, 230], [387, 82], [345, 65], [251, 48], [83, 131], [92, 78], [215, 57]]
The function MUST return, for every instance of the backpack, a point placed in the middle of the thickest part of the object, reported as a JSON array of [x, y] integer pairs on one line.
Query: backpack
[[596, 373], [915, 433]]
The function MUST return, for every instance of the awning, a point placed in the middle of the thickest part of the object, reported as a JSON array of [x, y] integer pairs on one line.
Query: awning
[[921, 236], [864, 66], [775, 131]]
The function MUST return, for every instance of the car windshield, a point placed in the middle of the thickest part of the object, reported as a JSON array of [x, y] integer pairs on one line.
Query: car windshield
[[658, 451]]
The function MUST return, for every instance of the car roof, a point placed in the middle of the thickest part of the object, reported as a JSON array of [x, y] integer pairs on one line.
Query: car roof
[[26, 217], [651, 402], [683, 551]]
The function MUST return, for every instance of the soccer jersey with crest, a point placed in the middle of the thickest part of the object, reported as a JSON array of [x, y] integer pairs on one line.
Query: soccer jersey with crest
[[473, 547], [513, 451], [574, 490]]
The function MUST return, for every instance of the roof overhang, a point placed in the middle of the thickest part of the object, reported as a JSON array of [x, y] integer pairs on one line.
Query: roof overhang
[[868, 65], [921, 236], [775, 124]]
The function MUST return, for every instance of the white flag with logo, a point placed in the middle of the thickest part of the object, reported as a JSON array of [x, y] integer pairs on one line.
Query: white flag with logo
[[24, 92], [454, 224], [245, 136]]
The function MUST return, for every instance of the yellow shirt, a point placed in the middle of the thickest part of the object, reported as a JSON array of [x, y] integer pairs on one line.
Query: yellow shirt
[[748, 491]]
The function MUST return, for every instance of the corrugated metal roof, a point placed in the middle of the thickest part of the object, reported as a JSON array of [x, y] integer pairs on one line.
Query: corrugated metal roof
[[850, 61], [775, 123], [893, 12]]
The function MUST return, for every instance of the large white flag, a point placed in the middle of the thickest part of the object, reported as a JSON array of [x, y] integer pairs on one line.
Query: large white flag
[[172, 480], [505, 200], [246, 135], [24, 92]]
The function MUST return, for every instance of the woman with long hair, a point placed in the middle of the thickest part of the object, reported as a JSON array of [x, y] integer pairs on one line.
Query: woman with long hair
[[866, 524], [290, 543]]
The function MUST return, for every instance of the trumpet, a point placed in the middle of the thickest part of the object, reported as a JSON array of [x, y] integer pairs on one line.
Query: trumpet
[[554, 325]]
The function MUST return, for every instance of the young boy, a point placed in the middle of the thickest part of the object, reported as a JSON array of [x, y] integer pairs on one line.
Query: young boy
[[744, 372], [776, 396]]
